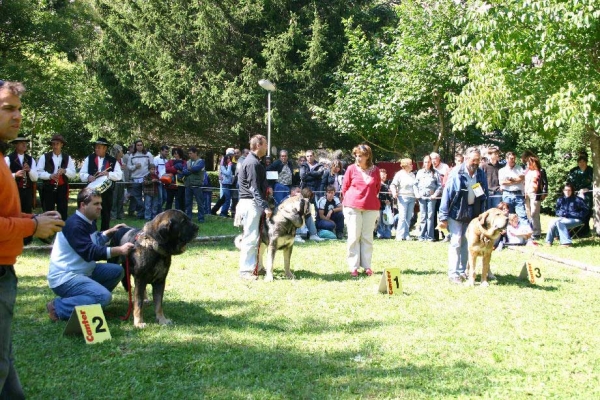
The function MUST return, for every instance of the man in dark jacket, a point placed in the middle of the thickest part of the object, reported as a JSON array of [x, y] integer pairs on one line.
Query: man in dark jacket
[[311, 173], [570, 210], [464, 198], [285, 172], [491, 169]]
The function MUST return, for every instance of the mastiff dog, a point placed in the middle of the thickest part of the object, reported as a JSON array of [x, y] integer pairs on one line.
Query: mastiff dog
[[149, 262], [279, 233], [481, 234]]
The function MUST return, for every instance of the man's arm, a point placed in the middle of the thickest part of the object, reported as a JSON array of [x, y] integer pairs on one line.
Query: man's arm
[[71, 172]]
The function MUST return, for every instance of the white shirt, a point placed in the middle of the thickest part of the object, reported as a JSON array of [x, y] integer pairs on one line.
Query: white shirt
[[508, 172], [115, 175], [33, 174], [57, 159], [160, 163]]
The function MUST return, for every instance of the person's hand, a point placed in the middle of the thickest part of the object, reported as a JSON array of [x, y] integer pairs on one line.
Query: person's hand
[[48, 225], [114, 229], [329, 214], [387, 203], [91, 178], [122, 250], [268, 213], [269, 191], [20, 174], [443, 225], [138, 165]]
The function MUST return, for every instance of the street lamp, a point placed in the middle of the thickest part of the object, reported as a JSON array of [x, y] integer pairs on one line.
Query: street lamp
[[269, 87]]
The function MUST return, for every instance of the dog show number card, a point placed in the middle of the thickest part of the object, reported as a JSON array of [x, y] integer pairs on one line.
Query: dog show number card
[[89, 321], [532, 273], [390, 282]]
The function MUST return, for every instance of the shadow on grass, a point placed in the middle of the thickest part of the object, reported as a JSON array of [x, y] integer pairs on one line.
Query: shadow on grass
[[512, 280]]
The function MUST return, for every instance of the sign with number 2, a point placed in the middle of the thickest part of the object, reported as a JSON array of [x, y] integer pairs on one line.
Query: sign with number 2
[[89, 321]]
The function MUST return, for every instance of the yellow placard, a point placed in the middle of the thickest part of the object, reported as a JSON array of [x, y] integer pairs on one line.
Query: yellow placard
[[390, 282], [90, 322], [533, 273]]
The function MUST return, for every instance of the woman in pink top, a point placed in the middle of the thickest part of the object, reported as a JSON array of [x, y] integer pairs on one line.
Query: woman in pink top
[[360, 191]]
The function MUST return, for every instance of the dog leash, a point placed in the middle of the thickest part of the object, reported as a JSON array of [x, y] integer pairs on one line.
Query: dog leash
[[130, 307]]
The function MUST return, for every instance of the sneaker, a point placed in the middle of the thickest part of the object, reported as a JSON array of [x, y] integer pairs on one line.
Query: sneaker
[[316, 238], [354, 273], [51, 311], [455, 280], [248, 276], [369, 271], [298, 239]]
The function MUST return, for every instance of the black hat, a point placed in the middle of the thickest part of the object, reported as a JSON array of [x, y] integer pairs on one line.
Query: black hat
[[19, 139], [57, 138], [102, 141]]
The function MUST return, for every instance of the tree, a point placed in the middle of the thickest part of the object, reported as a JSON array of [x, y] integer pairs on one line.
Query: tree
[[393, 89], [533, 66]]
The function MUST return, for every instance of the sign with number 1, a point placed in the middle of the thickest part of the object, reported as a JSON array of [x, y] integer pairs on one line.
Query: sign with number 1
[[89, 321], [390, 282]]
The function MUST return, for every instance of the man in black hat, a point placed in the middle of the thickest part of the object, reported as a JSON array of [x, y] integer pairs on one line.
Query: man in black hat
[[24, 171], [98, 167], [55, 168]]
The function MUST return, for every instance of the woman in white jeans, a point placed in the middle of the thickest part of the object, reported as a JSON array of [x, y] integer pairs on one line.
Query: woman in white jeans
[[360, 190]]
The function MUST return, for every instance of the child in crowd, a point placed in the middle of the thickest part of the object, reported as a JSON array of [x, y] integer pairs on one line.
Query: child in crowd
[[518, 234], [151, 194]]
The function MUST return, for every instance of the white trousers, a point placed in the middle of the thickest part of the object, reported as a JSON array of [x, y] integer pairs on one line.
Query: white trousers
[[360, 225], [250, 215]]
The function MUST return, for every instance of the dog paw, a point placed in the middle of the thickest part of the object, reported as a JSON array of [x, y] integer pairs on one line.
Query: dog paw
[[164, 321], [485, 284], [139, 325], [268, 278], [290, 276]]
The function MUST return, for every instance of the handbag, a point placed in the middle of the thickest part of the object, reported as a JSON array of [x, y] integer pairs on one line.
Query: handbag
[[388, 216]]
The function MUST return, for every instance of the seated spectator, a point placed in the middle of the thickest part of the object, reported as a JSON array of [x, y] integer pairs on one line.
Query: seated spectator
[[384, 231], [570, 210], [499, 243], [75, 276], [582, 178], [518, 234], [330, 214]]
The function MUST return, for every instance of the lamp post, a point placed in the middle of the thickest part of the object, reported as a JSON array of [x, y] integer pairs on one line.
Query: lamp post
[[269, 87]]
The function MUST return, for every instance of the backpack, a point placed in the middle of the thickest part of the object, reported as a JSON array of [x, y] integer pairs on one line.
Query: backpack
[[542, 189]]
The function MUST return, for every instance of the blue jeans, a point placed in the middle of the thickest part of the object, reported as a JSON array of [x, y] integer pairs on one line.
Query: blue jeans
[[162, 193], [458, 251], [137, 193], [427, 208], [10, 385], [406, 208], [280, 192], [227, 193], [516, 204], [152, 206], [192, 193], [207, 193], [86, 290], [560, 227], [336, 223], [494, 199]]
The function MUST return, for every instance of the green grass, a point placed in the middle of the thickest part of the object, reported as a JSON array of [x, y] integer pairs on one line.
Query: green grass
[[325, 335]]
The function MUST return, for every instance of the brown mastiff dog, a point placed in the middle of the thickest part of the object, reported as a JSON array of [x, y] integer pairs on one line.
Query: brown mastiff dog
[[149, 262], [279, 232], [481, 234]]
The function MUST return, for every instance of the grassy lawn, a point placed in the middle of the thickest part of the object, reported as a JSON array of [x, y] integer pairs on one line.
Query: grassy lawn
[[325, 335]]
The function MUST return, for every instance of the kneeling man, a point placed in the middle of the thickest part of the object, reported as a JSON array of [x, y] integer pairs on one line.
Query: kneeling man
[[74, 275], [571, 212], [330, 215]]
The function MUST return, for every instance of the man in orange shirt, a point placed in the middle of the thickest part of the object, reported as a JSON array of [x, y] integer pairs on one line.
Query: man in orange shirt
[[14, 226]]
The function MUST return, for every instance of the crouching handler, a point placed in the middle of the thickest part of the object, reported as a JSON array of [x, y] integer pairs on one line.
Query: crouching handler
[[74, 274]]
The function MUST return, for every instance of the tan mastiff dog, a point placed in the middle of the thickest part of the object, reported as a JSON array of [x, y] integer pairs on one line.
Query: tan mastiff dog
[[481, 234]]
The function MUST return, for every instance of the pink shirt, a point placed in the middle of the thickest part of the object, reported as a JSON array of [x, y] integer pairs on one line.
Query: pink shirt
[[359, 192]]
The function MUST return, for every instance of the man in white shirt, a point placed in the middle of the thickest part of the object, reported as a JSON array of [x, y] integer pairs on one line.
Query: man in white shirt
[[55, 168], [512, 182], [24, 170], [160, 162]]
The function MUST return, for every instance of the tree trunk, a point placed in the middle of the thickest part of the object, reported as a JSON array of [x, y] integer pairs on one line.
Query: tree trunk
[[441, 111], [595, 145]]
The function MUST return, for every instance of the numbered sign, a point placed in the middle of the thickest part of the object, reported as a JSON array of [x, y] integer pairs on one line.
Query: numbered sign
[[90, 322], [531, 272], [390, 282]]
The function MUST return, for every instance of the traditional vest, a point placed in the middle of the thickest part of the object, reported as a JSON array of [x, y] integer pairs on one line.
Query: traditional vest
[[15, 166], [108, 163], [49, 168]]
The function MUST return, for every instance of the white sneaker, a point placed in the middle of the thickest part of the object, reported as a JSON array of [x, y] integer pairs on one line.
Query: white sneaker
[[316, 238], [298, 239]]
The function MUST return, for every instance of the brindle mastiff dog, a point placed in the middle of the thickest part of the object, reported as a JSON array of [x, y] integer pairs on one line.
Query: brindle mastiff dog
[[481, 234], [149, 262], [279, 232]]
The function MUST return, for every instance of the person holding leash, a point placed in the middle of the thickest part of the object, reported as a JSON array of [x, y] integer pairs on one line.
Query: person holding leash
[[253, 204], [464, 198], [14, 227]]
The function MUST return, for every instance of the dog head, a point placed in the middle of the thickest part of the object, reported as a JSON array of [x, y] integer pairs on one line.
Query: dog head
[[294, 209], [493, 221], [173, 230]]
